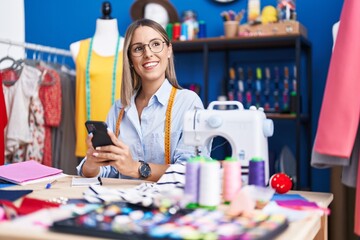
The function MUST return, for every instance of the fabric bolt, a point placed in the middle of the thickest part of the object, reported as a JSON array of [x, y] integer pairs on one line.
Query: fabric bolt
[[17, 100], [340, 111], [101, 72], [146, 140]]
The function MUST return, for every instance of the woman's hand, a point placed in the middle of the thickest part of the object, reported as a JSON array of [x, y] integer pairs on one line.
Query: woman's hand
[[117, 156], [92, 164]]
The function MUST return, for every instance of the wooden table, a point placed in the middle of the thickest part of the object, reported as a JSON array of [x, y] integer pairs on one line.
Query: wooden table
[[313, 227]]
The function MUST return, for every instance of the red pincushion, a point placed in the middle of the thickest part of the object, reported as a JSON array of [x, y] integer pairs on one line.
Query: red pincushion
[[281, 183]]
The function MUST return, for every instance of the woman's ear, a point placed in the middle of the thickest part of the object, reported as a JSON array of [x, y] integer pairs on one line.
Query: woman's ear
[[169, 50]]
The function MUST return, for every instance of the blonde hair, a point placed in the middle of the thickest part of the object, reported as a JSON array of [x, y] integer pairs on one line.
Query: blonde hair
[[131, 81]]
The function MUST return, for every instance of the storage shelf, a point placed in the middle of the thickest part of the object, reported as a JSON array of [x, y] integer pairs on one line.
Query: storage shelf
[[240, 43], [293, 42]]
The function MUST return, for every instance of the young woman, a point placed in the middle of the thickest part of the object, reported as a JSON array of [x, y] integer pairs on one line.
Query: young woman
[[146, 124]]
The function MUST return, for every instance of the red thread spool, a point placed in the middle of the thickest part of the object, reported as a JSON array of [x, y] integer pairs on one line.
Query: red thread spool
[[176, 31]]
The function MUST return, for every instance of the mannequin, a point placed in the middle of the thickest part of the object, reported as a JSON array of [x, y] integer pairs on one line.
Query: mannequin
[[98, 63], [105, 37]]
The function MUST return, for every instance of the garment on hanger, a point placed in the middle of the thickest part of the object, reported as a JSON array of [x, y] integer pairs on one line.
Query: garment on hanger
[[3, 122], [340, 111], [99, 90], [64, 138], [50, 96], [17, 99]]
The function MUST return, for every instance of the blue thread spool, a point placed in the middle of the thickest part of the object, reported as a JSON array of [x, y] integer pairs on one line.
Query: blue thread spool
[[202, 29], [184, 32], [257, 172]]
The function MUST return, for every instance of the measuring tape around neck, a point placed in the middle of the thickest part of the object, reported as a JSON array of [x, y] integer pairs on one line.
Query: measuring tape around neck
[[167, 124]]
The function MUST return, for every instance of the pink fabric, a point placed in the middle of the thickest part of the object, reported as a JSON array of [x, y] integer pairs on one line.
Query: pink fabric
[[340, 111]]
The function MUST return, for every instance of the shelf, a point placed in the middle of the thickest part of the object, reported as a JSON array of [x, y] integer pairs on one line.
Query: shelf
[[301, 48], [239, 43]]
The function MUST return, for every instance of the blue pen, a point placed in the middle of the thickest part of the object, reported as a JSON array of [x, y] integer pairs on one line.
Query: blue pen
[[48, 185]]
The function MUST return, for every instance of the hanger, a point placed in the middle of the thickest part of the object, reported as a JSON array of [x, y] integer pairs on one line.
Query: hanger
[[10, 75]]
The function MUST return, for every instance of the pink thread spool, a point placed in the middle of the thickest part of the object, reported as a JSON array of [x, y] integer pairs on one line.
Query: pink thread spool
[[231, 178]]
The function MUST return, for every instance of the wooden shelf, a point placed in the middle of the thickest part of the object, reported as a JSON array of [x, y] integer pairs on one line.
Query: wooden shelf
[[239, 43]]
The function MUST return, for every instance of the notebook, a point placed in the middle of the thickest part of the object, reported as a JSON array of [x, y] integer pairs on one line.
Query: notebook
[[23, 173]]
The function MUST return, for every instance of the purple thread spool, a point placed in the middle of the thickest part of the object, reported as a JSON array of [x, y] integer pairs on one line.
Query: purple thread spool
[[257, 172], [192, 175]]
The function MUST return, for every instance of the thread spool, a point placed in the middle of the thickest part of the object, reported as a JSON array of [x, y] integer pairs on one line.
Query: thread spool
[[169, 30], [231, 178], [209, 187], [176, 31], [202, 29], [257, 172], [191, 189], [184, 32]]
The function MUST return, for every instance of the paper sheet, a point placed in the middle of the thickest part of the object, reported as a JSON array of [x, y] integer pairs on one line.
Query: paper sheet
[[80, 181]]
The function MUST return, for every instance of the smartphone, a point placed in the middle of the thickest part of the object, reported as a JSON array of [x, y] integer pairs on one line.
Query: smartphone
[[99, 131]]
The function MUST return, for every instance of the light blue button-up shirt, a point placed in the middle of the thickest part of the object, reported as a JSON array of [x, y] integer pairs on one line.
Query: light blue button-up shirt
[[146, 140]]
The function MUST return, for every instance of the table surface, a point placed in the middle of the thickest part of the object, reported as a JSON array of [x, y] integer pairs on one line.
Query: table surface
[[304, 229]]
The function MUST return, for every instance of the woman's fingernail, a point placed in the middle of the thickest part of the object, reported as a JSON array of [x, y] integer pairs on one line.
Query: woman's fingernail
[[95, 154], [109, 130], [98, 148], [90, 134]]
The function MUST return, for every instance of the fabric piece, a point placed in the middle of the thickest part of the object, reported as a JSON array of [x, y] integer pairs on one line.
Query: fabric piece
[[336, 132], [101, 71], [333, 136], [12, 195], [146, 140], [172, 182], [29, 205]]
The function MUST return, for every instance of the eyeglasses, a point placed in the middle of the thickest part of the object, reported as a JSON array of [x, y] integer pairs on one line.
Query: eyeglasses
[[155, 45]]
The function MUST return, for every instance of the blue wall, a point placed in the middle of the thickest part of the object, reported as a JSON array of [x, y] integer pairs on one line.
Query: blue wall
[[59, 23]]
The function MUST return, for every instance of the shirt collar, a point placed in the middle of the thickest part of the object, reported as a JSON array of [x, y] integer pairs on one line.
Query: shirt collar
[[161, 95]]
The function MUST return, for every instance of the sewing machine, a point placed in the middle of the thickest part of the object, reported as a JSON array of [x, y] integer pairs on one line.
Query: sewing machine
[[246, 130]]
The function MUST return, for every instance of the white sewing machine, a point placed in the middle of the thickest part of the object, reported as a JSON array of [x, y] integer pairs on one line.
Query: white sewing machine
[[246, 130]]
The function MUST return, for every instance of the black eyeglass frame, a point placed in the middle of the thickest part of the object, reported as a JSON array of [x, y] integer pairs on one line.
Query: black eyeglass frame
[[144, 47]]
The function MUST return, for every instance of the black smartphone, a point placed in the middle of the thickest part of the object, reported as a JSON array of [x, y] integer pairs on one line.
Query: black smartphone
[[99, 131]]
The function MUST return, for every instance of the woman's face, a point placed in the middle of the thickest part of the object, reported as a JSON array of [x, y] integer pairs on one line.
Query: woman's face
[[149, 64]]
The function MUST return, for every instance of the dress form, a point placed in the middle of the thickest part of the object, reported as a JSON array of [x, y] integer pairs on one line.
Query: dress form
[[105, 36]]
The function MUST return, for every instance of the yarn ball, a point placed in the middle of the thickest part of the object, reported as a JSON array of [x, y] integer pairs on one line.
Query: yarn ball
[[281, 183]]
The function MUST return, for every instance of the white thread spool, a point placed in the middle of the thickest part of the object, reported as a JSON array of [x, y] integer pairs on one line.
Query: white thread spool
[[210, 184]]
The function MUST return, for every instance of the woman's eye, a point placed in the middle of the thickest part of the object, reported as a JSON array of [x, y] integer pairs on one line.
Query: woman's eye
[[138, 49]]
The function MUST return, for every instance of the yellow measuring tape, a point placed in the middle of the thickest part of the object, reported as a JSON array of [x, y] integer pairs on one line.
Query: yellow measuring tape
[[167, 124]]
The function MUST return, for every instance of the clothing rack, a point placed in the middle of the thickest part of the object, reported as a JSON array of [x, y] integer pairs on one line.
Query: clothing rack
[[37, 47]]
